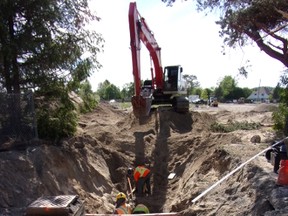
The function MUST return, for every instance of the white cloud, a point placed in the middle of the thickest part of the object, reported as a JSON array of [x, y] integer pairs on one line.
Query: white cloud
[[186, 37]]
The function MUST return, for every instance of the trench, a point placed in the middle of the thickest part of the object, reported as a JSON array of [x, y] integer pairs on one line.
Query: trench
[[198, 159]]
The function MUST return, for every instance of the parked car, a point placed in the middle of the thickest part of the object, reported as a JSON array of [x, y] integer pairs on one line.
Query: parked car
[[199, 101]]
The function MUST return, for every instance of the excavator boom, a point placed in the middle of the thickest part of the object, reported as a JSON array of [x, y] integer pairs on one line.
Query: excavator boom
[[139, 31]]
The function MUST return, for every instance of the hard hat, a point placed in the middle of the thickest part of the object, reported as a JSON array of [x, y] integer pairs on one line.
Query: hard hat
[[120, 195]]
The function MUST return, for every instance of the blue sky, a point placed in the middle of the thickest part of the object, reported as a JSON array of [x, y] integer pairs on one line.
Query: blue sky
[[185, 36]]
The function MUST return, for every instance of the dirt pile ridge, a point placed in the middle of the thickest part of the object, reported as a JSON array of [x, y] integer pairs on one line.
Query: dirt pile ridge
[[93, 164]]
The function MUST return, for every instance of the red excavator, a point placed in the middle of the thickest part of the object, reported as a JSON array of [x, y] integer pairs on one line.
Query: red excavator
[[166, 86]]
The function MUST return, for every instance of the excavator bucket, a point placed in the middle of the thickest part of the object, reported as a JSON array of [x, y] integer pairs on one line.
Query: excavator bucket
[[141, 106]]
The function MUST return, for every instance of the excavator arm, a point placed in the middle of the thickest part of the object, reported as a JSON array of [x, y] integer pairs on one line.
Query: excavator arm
[[140, 32]]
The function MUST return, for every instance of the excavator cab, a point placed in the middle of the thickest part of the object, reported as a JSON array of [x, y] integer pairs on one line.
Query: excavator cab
[[173, 80]]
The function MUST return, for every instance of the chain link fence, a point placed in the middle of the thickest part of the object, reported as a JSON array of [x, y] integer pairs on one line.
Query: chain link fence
[[17, 117]]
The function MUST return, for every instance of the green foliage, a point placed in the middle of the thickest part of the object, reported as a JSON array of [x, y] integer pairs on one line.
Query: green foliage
[[56, 115], [88, 96], [58, 124], [42, 47], [218, 93], [228, 90], [233, 126], [192, 82], [254, 20], [247, 92], [43, 40], [280, 116], [209, 92], [204, 94], [125, 105], [108, 91], [127, 91], [228, 84], [277, 92], [197, 91], [236, 93]]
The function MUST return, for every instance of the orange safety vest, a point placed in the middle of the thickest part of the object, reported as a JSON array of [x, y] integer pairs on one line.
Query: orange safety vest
[[123, 209], [140, 171]]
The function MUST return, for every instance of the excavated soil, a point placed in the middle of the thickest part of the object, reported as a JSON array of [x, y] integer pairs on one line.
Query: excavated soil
[[93, 164]]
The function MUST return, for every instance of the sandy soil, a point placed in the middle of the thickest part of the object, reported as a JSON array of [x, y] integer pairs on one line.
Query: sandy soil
[[93, 164]]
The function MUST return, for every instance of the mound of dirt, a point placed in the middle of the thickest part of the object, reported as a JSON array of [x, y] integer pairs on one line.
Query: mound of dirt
[[93, 164], [265, 107]]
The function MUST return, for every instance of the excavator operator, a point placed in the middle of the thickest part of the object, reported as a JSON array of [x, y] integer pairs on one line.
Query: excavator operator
[[121, 206], [142, 180]]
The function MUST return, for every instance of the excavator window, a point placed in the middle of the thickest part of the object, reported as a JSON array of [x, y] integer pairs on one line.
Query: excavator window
[[171, 78]]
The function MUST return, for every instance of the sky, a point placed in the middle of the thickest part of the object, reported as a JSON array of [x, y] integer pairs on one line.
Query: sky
[[186, 37]]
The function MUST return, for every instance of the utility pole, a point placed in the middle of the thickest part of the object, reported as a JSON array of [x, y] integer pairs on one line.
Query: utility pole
[[258, 91]]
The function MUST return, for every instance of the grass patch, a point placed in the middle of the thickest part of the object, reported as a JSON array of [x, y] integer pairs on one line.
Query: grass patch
[[233, 126], [125, 105]]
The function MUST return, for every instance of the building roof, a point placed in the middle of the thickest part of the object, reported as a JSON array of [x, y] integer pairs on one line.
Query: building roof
[[260, 93]]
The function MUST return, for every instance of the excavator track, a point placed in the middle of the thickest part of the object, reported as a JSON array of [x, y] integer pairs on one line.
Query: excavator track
[[181, 104]]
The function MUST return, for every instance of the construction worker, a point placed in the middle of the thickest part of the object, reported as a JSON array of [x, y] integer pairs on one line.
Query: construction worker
[[142, 178], [121, 206], [280, 153], [141, 209]]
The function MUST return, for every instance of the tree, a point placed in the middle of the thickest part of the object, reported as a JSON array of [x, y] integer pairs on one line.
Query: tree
[[236, 93], [252, 20], [43, 40], [228, 85], [127, 90], [247, 92], [88, 97], [108, 91], [192, 82], [208, 92], [42, 43], [56, 116], [218, 93], [280, 116], [256, 20], [204, 94], [196, 91], [263, 22], [277, 92]]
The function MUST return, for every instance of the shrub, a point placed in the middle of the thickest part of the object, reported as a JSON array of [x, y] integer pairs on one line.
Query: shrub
[[56, 116], [233, 126], [280, 118]]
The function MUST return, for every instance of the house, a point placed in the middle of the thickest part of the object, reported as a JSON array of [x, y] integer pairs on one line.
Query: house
[[260, 94]]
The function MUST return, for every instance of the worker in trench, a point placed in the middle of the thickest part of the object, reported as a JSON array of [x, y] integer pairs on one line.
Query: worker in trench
[[121, 206], [141, 209], [141, 176]]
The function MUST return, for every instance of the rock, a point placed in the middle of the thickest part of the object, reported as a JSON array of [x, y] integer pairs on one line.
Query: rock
[[255, 139], [279, 197], [79, 145]]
